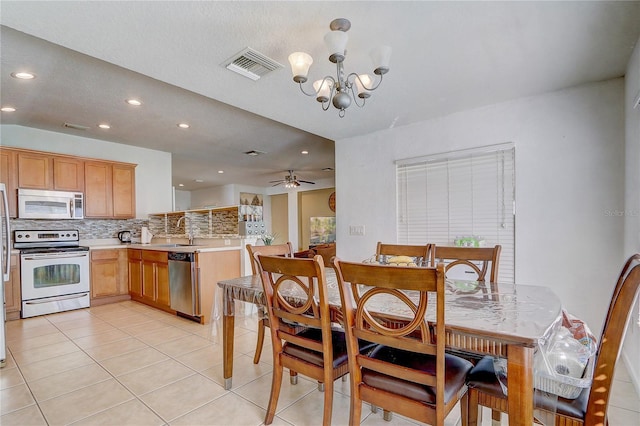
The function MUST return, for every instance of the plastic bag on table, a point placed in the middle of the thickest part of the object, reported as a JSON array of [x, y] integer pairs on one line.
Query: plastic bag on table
[[560, 360]]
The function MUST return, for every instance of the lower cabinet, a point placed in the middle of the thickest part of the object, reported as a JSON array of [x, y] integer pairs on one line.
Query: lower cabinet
[[149, 278], [12, 294], [213, 267], [109, 275]]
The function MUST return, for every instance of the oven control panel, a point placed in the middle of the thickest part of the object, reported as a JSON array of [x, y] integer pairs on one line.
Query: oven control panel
[[40, 236]]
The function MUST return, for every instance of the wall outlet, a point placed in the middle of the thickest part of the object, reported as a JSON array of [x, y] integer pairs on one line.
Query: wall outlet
[[356, 230], [227, 242]]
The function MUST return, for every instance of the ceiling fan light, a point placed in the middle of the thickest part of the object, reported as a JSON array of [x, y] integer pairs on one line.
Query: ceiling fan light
[[323, 89], [300, 63], [336, 42], [381, 56]]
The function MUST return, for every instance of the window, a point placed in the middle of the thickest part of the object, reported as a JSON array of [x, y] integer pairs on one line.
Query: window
[[463, 193]]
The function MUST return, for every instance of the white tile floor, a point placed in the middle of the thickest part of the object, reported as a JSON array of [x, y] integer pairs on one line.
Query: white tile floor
[[128, 364]]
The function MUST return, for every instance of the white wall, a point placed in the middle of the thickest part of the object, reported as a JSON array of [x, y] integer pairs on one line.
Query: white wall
[[569, 162], [631, 349], [153, 173], [181, 200]]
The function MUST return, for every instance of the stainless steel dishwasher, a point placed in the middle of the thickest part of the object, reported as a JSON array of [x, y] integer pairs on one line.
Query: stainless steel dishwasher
[[184, 285]]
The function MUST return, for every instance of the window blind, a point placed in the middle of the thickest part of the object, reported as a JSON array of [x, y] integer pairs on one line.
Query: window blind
[[461, 193]]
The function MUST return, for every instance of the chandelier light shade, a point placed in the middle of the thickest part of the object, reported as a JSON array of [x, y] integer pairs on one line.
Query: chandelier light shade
[[300, 63], [344, 88]]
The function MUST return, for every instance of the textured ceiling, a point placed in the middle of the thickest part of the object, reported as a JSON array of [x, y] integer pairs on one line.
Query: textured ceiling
[[447, 57]]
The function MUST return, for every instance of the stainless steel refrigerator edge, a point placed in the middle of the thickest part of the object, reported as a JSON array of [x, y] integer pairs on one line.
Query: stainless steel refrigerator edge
[[184, 285], [5, 253]]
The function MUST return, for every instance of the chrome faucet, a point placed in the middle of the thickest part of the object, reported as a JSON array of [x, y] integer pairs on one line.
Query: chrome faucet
[[190, 232]]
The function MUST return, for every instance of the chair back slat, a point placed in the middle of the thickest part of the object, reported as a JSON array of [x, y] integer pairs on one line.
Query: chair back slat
[[470, 256], [423, 252], [285, 249], [615, 326]]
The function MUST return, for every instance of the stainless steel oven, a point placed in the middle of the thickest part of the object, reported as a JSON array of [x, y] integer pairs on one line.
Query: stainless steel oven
[[54, 271]]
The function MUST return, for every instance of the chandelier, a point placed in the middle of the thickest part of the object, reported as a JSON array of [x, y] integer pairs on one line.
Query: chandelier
[[340, 90]]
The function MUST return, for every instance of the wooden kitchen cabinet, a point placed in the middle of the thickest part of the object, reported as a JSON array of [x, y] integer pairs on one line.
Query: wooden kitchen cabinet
[[135, 272], [109, 190], [43, 171], [108, 186], [109, 275], [149, 278], [213, 267], [68, 174], [35, 171], [9, 176], [124, 191], [12, 294]]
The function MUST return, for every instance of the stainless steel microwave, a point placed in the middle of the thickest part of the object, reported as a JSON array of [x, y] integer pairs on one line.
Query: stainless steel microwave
[[43, 204]]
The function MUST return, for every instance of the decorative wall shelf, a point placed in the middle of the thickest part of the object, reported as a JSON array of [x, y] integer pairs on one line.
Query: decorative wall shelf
[[203, 223]]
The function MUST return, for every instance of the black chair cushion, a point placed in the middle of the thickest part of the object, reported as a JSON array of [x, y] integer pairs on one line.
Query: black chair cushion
[[339, 347], [483, 377], [456, 370]]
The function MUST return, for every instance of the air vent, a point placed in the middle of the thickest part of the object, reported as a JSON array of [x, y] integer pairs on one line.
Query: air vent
[[75, 126], [251, 64]]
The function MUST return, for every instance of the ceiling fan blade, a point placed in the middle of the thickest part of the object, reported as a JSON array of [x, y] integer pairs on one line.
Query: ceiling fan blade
[[279, 183], [306, 181]]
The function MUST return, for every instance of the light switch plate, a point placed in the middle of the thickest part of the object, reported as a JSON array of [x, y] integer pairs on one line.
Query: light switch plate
[[356, 230]]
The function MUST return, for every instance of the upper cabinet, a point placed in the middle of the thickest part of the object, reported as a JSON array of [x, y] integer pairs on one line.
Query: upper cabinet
[[43, 171], [35, 171], [108, 187], [68, 174], [109, 190], [8, 176]]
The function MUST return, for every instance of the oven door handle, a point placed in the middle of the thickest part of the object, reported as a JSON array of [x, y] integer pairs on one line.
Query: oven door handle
[[60, 256], [54, 299]]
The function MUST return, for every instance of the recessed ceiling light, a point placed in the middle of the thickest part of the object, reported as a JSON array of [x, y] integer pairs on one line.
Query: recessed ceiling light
[[220, 171], [23, 75], [7, 109], [181, 184], [198, 180], [134, 102], [183, 125], [304, 152], [104, 126]]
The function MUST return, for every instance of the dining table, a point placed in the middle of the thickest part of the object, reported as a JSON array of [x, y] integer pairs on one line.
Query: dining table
[[504, 320]]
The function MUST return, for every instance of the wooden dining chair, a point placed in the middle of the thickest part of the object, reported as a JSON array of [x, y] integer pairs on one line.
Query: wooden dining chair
[[408, 372], [421, 253], [296, 293], [285, 249], [590, 407], [477, 260]]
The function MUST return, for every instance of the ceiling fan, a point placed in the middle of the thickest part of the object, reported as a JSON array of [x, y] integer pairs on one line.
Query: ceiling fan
[[290, 181]]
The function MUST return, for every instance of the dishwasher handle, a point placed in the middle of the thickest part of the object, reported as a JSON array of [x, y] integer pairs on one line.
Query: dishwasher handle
[[182, 256]]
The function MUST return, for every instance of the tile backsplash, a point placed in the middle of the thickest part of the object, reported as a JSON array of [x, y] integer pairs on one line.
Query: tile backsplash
[[89, 228]]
